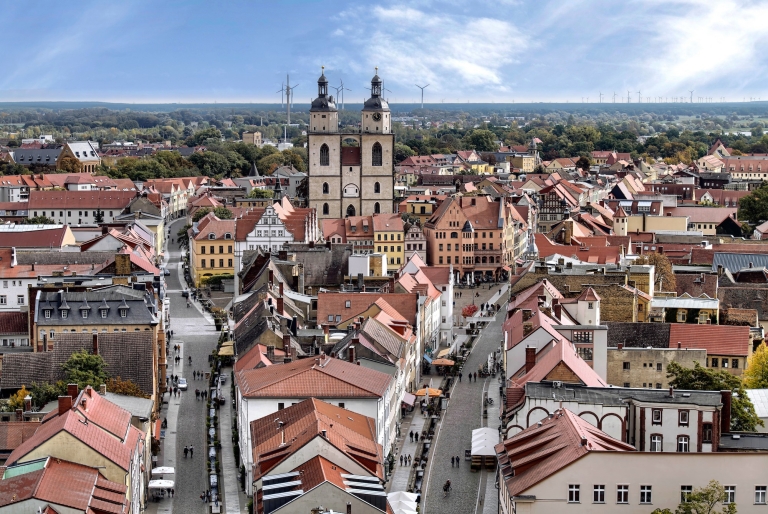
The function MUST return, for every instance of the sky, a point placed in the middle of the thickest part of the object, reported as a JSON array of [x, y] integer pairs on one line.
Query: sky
[[466, 51]]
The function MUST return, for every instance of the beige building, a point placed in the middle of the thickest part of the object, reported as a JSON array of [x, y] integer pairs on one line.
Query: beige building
[[252, 138], [523, 162], [350, 174], [647, 367], [566, 465]]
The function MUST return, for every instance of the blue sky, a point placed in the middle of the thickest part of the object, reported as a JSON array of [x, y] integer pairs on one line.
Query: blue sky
[[479, 50]]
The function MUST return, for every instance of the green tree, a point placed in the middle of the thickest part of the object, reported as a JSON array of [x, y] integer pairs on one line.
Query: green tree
[[223, 213], [743, 415], [665, 276], [754, 206], [211, 164], [16, 401], [583, 163], [705, 500], [99, 217], [402, 152], [755, 375], [182, 236], [39, 220], [203, 136], [126, 387], [481, 140], [200, 213], [261, 193], [85, 369], [46, 393], [70, 165]]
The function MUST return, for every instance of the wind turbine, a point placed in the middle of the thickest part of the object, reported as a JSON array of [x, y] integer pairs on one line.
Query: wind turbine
[[614, 97], [422, 93], [691, 91], [342, 89], [639, 97], [288, 90], [282, 92], [629, 98], [601, 97]]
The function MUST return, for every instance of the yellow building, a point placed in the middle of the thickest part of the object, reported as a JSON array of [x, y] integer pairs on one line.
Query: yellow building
[[421, 206], [211, 248], [388, 237], [523, 162]]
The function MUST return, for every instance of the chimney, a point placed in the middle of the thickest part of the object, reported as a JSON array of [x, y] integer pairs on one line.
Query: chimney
[[349, 508], [621, 346], [271, 277], [280, 288], [65, 404], [725, 414], [311, 245], [325, 433], [282, 255], [679, 345], [720, 270], [326, 330], [287, 343], [661, 250], [27, 403], [530, 358], [72, 390], [103, 389], [360, 281], [95, 344], [280, 305], [671, 392], [19, 415], [351, 353], [89, 391], [271, 352], [122, 264]]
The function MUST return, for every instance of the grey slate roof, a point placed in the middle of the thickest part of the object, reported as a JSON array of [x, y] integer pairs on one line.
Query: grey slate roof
[[36, 156], [744, 441], [54, 258], [638, 335], [734, 262], [116, 298], [613, 396]]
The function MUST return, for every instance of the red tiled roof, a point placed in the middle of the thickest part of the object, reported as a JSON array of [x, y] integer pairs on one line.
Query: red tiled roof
[[333, 304], [351, 433], [595, 254], [716, 339], [69, 484], [14, 323], [588, 295], [318, 470], [255, 356], [43, 238], [563, 352], [80, 199], [306, 378], [387, 223], [703, 214], [542, 450], [210, 224], [13, 433]]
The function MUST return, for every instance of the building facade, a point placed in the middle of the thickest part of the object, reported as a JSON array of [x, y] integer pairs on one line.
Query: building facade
[[350, 174]]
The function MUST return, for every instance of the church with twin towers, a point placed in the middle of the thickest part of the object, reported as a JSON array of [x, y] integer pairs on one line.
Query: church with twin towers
[[351, 173]]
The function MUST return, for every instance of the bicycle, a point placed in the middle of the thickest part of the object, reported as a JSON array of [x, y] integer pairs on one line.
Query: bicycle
[[446, 488]]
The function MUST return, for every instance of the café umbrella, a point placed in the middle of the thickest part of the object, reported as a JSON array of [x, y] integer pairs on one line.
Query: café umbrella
[[160, 484], [443, 362], [428, 391], [163, 470]]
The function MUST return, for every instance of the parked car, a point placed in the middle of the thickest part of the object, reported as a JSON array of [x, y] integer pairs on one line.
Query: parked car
[[183, 384]]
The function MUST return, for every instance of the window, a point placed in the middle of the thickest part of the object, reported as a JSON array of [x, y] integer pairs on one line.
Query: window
[[573, 493], [326, 209], [622, 494], [123, 313], [103, 313], [5, 283], [590, 305], [326, 189], [683, 444], [202, 249], [20, 299], [202, 263], [735, 363], [658, 366], [730, 494], [221, 263], [376, 207], [281, 406], [656, 443], [325, 156], [4, 300], [63, 314], [341, 405], [221, 249], [598, 494], [645, 494], [684, 418], [585, 353], [681, 316], [376, 155], [706, 433], [582, 337], [52, 334], [229, 263], [685, 493], [85, 313], [656, 416], [625, 366], [725, 363], [714, 362], [376, 187], [760, 494]]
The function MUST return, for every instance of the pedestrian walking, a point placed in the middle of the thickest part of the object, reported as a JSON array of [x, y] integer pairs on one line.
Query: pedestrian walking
[[197, 394], [457, 461], [452, 459], [409, 459], [459, 294], [191, 451], [410, 434], [416, 437], [186, 451], [173, 491], [401, 460], [460, 376], [168, 492]]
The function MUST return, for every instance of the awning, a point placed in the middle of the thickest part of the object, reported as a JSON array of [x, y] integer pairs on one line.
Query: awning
[[227, 343], [427, 358], [227, 351], [409, 399], [443, 362], [484, 440], [506, 268], [163, 470], [442, 353], [429, 391], [160, 484], [158, 429]]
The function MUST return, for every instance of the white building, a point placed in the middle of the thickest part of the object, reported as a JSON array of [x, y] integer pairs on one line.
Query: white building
[[268, 390]]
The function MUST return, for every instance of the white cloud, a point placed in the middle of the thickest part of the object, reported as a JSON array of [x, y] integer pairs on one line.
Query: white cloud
[[452, 52]]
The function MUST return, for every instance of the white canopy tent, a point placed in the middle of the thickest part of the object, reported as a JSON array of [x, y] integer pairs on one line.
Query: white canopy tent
[[163, 470], [402, 502], [483, 441], [160, 484]]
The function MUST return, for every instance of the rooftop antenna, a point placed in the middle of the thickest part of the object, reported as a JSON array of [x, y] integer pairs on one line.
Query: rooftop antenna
[[691, 91], [422, 93]]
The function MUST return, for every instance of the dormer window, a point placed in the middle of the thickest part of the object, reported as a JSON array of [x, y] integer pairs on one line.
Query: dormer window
[[211, 236], [85, 313], [47, 314], [63, 314], [123, 313], [103, 313], [227, 236]]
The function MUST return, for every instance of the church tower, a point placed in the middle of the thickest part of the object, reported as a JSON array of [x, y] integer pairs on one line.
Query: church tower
[[351, 173]]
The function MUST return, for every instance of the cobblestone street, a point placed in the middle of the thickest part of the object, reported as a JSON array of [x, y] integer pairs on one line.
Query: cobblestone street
[[464, 414]]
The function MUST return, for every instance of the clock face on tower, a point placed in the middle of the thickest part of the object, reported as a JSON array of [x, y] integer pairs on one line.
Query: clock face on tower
[[376, 116]]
